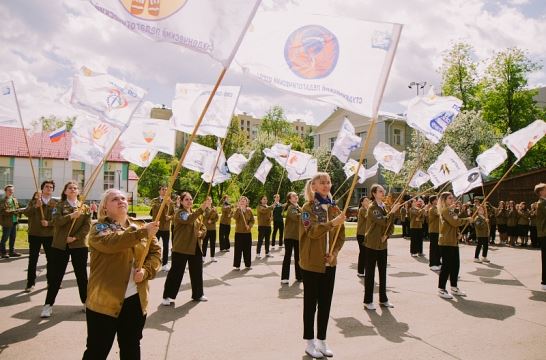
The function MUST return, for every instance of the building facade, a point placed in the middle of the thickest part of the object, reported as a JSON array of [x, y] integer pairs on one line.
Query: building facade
[[251, 125]]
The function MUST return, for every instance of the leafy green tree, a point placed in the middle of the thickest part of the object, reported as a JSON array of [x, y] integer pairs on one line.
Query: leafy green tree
[[274, 123], [459, 74], [52, 122], [156, 175]]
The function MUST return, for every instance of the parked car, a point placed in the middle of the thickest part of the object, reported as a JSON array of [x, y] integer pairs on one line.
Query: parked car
[[352, 214]]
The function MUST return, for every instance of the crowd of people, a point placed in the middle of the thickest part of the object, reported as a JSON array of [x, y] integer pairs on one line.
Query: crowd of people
[[126, 253]]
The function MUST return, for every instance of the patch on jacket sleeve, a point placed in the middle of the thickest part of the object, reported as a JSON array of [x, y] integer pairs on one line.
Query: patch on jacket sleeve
[[53, 211], [378, 214], [184, 215], [102, 229], [306, 219]]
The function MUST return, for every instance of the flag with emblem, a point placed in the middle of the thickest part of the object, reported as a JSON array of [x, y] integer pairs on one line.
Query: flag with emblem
[[346, 142], [279, 152], [419, 178], [91, 139], [390, 158], [221, 173], [300, 166], [319, 56], [467, 181], [154, 134], [263, 170], [524, 139], [140, 156], [447, 167], [363, 173], [190, 101], [105, 96], [432, 114], [199, 157], [210, 27], [8, 105], [491, 159]]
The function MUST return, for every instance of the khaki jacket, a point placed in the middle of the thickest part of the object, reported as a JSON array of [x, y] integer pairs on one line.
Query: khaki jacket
[[512, 218], [265, 215], [377, 220], [449, 224], [188, 232], [227, 213], [523, 217], [417, 216], [166, 214], [403, 213], [114, 253], [501, 215], [292, 223], [212, 216], [533, 217], [433, 220], [6, 214], [316, 228], [482, 227], [34, 216], [62, 222], [541, 218], [243, 220], [361, 221]]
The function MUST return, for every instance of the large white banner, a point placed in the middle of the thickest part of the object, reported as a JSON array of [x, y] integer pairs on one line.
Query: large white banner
[[211, 27], [149, 133], [333, 59], [446, 167], [189, 102], [91, 139], [524, 139]]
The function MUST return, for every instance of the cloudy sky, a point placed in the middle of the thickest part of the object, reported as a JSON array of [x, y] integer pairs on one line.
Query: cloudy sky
[[44, 42]]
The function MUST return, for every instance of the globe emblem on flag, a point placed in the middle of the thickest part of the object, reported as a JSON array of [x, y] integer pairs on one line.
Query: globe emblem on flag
[[152, 10], [311, 52], [115, 100], [442, 120], [473, 177], [149, 135]]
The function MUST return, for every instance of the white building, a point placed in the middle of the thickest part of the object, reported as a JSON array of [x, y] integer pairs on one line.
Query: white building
[[50, 162]]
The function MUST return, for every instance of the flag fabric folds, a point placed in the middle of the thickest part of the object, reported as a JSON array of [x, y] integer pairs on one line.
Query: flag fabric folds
[[237, 162], [419, 178], [491, 159], [279, 152], [319, 57], [199, 158], [105, 96], [91, 139], [467, 181], [346, 141], [8, 105], [58, 134], [221, 173], [205, 26], [140, 156], [521, 141], [263, 170], [446, 167], [149, 133], [189, 101], [432, 114], [390, 158], [300, 166], [363, 173]]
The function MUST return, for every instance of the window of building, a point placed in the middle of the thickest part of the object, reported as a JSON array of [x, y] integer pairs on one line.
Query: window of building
[[242, 123], [6, 176], [297, 128], [332, 141], [397, 137], [109, 179], [79, 177], [248, 123]]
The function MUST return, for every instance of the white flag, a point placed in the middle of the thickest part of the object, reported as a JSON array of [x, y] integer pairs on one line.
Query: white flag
[[221, 173], [390, 158], [419, 179], [91, 139], [363, 173], [237, 162], [149, 133], [205, 26], [446, 167], [199, 157], [140, 156], [300, 166], [491, 159], [189, 102], [8, 106], [319, 56], [279, 152], [103, 95], [467, 181], [346, 142], [522, 140], [263, 170], [432, 114]]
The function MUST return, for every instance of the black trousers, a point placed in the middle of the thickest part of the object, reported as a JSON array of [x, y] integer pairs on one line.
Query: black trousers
[[289, 245], [416, 242], [318, 289], [277, 226], [534, 238], [165, 236], [373, 258], [361, 254], [482, 241], [57, 269], [492, 232], [264, 235], [243, 247], [224, 236], [176, 273], [209, 237], [405, 228], [434, 257], [542, 241], [101, 330], [34, 244], [450, 266]]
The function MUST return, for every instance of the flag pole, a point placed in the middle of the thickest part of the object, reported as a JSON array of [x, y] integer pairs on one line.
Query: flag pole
[[179, 165], [340, 186], [216, 165], [375, 112], [328, 163], [247, 185], [26, 143]]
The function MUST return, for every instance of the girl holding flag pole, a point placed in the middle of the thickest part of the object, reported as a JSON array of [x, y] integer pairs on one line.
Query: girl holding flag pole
[[244, 220]]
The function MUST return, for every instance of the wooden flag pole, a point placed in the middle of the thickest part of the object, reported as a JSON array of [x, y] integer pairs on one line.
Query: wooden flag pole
[[247, 185], [328, 163], [179, 165], [340, 186]]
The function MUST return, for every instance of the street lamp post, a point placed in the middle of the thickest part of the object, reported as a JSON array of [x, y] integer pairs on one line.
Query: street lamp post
[[418, 86]]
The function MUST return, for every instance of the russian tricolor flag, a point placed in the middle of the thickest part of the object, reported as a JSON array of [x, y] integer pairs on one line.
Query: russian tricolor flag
[[58, 134]]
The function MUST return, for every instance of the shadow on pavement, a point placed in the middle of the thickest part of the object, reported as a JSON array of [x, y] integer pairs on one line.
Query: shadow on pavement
[[538, 295], [290, 292], [480, 309], [509, 282], [20, 297], [352, 327], [167, 314], [388, 327], [485, 272], [403, 274]]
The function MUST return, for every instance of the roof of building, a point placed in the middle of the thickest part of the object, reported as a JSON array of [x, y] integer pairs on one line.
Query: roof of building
[[133, 175], [12, 143], [336, 114]]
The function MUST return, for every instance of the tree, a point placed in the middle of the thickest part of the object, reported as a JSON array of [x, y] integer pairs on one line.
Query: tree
[[459, 75], [52, 122], [157, 174], [274, 123]]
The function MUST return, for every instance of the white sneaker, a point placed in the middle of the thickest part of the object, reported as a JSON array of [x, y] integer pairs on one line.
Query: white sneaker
[[213, 259], [360, 275], [476, 260], [485, 260], [386, 304], [321, 346], [258, 256], [46, 311], [202, 298], [312, 351], [285, 281], [444, 294], [413, 255], [166, 267], [435, 268], [369, 306], [457, 291], [268, 255], [236, 268], [167, 302]]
